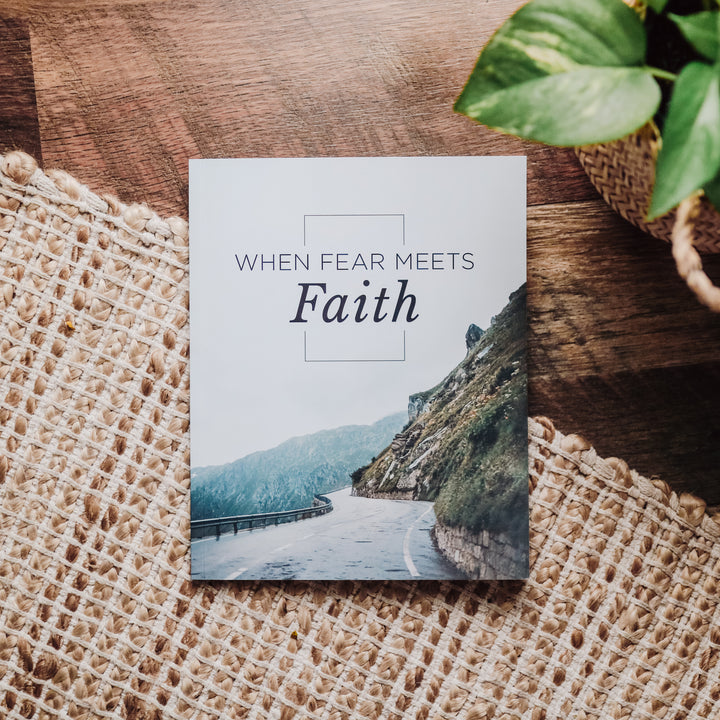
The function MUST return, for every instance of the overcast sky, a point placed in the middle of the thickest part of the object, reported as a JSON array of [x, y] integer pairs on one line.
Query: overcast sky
[[251, 387]]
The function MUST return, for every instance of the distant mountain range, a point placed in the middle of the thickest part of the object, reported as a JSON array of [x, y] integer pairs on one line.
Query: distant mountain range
[[288, 476]]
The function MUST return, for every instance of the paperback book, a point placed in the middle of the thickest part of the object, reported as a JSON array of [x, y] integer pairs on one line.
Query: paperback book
[[358, 395]]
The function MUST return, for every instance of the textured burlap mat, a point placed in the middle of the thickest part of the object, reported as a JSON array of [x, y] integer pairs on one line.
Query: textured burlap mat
[[99, 618]]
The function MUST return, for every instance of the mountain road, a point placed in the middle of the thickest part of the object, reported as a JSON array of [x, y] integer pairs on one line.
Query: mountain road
[[361, 539]]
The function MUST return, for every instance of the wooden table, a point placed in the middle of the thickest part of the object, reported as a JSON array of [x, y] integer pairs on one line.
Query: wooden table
[[121, 94]]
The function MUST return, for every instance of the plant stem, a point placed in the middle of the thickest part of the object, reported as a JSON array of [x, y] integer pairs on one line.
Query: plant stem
[[662, 74]]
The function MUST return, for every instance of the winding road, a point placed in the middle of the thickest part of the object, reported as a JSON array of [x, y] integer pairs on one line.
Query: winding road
[[361, 539]]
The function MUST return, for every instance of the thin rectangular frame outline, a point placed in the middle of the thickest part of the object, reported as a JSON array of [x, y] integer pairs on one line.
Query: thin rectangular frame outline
[[305, 357], [305, 217]]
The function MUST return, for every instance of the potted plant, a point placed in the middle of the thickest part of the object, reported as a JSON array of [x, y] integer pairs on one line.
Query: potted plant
[[636, 89]]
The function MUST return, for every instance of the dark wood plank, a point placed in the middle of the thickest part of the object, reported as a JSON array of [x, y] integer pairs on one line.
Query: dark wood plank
[[620, 350], [605, 297], [19, 128], [663, 422], [128, 94]]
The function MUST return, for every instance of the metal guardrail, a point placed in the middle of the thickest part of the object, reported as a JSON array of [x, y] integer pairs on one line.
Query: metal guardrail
[[214, 526]]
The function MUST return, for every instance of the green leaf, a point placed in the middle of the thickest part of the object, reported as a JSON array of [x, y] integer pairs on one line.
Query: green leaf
[[557, 72], [690, 153], [657, 5], [712, 191], [584, 106], [701, 30]]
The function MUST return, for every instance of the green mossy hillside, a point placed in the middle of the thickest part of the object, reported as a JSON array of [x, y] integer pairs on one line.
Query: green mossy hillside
[[467, 447]]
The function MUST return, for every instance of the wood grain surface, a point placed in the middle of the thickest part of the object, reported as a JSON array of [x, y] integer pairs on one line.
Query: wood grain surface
[[127, 92], [19, 127]]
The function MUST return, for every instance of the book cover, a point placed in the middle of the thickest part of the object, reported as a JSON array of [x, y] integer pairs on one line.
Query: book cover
[[358, 394]]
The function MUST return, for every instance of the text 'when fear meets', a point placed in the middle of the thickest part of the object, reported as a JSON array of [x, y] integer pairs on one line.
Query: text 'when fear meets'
[[333, 306]]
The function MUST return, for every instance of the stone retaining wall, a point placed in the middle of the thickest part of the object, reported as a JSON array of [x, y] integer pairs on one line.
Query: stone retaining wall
[[484, 555]]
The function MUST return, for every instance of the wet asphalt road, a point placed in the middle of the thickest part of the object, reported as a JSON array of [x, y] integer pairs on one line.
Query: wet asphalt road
[[361, 539]]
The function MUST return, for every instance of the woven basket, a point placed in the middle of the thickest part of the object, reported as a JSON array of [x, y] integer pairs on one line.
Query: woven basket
[[623, 172]]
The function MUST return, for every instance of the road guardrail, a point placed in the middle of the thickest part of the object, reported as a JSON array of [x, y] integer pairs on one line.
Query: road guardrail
[[223, 525]]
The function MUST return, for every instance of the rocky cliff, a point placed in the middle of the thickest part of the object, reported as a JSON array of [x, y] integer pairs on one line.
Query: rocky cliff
[[465, 447]]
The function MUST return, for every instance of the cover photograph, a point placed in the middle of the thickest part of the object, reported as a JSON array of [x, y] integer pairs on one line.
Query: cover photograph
[[358, 385]]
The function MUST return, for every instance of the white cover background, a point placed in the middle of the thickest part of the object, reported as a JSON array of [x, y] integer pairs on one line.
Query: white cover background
[[250, 386]]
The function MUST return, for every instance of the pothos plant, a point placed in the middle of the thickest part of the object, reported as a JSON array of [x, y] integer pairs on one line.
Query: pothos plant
[[578, 72]]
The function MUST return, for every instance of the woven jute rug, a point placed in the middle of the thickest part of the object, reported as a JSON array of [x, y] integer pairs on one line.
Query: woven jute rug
[[99, 617]]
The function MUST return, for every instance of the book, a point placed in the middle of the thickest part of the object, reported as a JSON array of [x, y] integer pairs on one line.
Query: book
[[358, 385]]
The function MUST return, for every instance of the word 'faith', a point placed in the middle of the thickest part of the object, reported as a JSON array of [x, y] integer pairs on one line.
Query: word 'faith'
[[335, 308]]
